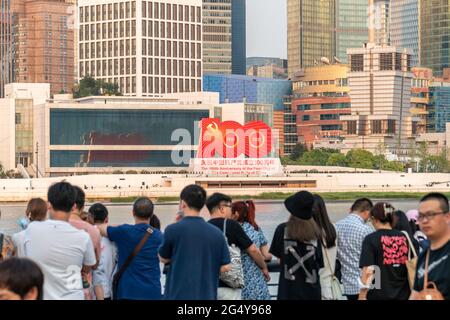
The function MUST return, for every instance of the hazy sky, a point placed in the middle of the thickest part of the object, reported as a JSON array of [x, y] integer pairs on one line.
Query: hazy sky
[[266, 28]]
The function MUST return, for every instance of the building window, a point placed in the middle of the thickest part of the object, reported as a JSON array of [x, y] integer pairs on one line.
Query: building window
[[334, 116], [376, 127], [306, 118], [18, 118], [386, 61], [398, 61], [351, 127], [303, 107], [357, 62]]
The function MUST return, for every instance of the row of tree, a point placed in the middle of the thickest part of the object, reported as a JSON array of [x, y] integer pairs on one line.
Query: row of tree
[[357, 158]]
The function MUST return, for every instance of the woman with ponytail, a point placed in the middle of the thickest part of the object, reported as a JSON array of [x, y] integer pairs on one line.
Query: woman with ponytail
[[383, 258], [255, 285]]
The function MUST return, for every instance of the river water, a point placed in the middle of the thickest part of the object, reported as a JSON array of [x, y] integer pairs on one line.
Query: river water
[[268, 214]]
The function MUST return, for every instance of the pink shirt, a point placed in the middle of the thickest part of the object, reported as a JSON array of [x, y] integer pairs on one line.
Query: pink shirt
[[93, 232]]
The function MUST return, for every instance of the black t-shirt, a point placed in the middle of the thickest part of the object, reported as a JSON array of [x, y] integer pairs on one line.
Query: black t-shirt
[[438, 270], [387, 249], [300, 265], [234, 234]]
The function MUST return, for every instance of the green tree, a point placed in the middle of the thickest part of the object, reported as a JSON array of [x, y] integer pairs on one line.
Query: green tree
[[315, 157], [2, 172], [298, 151], [359, 158], [423, 156], [438, 163], [394, 166], [88, 86], [337, 160]]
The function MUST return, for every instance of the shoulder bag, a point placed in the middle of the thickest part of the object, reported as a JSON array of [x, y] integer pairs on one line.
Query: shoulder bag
[[118, 275], [430, 291], [337, 290], [411, 264], [235, 277]]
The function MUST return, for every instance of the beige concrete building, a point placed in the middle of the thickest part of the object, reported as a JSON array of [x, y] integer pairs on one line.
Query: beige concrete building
[[18, 119], [146, 47], [380, 90]]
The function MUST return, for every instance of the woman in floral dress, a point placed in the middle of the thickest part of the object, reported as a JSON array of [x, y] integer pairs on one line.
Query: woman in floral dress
[[255, 286]]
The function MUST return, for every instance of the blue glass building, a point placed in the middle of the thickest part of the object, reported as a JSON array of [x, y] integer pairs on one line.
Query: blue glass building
[[440, 100], [239, 39], [238, 88]]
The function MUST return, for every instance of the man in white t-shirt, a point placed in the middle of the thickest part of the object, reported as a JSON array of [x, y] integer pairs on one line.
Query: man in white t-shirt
[[61, 250], [102, 277]]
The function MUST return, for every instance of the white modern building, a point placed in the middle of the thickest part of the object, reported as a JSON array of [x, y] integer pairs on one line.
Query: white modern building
[[18, 117], [146, 47]]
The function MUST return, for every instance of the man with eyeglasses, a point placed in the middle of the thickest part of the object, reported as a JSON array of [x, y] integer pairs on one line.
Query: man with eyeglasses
[[219, 206], [434, 221]]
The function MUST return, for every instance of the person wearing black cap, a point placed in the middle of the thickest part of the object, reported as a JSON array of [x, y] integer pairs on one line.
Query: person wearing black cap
[[296, 245]]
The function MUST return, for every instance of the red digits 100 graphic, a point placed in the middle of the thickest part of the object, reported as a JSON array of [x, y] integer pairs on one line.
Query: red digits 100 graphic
[[230, 139]]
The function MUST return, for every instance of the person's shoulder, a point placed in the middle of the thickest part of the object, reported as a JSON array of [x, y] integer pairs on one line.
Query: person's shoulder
[[281, 227], [18, 236], [233, 224], [373, 236], [213, 230]]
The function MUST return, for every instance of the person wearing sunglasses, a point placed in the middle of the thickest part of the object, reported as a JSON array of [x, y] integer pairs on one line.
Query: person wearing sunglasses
[[434, 221]]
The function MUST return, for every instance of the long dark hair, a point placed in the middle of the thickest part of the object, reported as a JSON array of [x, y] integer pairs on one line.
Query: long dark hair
[[401, 223], [320, 215]]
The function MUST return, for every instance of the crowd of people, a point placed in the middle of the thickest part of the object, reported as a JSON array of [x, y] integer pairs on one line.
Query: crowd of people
[[375, 253]]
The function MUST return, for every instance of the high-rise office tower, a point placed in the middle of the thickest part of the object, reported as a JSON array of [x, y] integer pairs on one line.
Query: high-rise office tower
[[311, 32], [434, 34], [351, 26], [146, 47], [404, 26], [382, 11], [239, 38], [224, 36], [36, 44]]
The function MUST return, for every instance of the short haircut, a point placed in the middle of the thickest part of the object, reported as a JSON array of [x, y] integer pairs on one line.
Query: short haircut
[[143, 208], [81, 197], [361, 205], [215, 199], [21, 275], [443, 200], [36, 209], [194, 196], [62, 196], [98, 212]]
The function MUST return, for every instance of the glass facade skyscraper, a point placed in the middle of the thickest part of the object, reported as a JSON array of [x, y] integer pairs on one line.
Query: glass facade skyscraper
[[440, 99], [404, 26], [224, 36], [435, 34], [311, 32], [239, 38], [351, 26]]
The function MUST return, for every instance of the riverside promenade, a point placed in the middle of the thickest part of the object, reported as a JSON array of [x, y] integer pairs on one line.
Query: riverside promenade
[[169, 185]]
